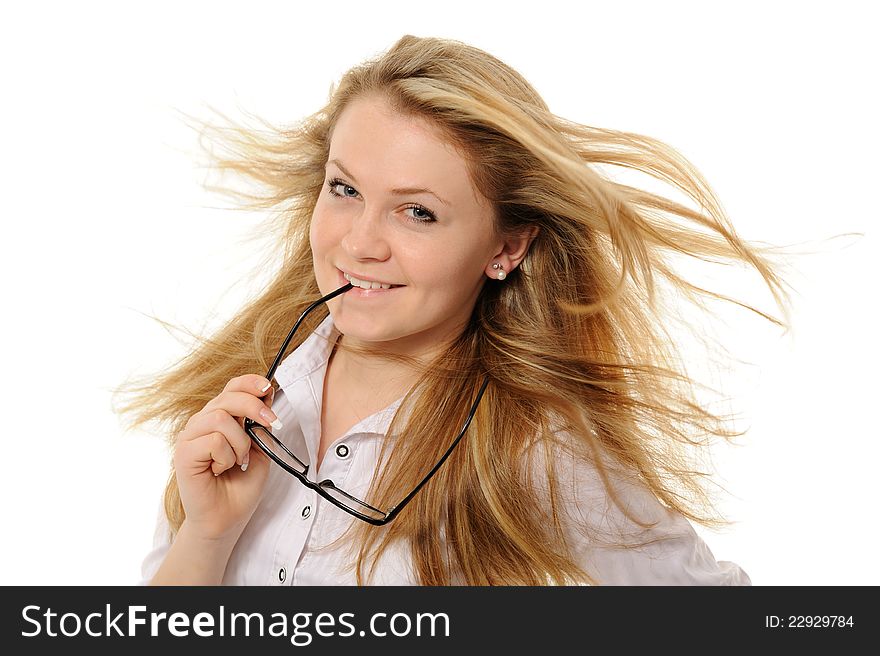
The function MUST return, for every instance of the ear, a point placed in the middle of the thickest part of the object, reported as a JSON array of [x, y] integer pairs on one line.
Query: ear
[[512, 251]]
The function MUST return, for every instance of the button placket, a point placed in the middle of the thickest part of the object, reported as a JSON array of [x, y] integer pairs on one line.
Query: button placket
[[292, 540]]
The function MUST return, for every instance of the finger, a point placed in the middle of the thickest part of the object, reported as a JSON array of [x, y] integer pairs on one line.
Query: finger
[[221, 453], [252, 383], [255, 458], [244, 404], [220, 421], [211, 451], [268, 400]]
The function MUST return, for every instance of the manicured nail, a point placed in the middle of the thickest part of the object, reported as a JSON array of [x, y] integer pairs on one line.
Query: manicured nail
[[270, 416], [263, 389], [245, 461]]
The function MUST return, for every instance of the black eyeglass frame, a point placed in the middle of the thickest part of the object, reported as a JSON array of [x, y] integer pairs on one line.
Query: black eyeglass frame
[[319, 487]]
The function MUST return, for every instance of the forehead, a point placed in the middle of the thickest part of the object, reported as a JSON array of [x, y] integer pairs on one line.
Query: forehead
[[384, 149]]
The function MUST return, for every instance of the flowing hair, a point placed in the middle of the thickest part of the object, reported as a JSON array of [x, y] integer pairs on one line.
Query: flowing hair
[[575, 340]]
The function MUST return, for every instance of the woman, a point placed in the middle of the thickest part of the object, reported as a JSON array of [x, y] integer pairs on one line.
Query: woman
[[521, 328]]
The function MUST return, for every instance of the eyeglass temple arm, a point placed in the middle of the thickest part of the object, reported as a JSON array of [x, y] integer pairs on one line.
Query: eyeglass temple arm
[[393, 512], [311, 307]]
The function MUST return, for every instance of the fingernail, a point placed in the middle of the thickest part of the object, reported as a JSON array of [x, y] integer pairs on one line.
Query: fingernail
[[263, 389], [270, 416], [245, 461]]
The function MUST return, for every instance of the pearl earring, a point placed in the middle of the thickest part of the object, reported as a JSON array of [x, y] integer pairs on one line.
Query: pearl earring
[[501, 273]]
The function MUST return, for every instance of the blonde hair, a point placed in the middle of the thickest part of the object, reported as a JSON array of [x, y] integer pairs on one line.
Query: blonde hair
[[574, 341]]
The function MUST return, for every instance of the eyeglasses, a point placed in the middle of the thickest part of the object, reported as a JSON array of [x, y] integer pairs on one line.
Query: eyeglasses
[[282, 456]]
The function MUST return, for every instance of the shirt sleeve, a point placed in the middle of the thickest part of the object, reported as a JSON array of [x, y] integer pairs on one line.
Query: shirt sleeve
[[161, 544], [668, 553]]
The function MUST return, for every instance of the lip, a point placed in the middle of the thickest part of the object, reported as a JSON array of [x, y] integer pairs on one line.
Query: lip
[[357, 292], [366, 278]]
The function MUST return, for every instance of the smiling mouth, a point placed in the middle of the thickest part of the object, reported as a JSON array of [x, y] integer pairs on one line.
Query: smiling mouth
[[367, 285]]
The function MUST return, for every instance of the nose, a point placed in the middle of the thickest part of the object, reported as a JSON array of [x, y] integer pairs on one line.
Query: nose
[[365, 238]]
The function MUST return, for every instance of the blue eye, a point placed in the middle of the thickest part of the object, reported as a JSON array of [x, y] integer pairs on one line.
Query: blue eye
[[428, 215], [336, 183]]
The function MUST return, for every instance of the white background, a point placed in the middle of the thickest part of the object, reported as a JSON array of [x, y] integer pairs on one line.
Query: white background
[[104, 219]]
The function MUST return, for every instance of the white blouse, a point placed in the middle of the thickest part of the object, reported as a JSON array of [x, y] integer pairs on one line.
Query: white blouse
[[281, 545]]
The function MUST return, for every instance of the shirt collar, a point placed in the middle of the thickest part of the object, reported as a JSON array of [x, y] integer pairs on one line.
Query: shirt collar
[[313, 353]]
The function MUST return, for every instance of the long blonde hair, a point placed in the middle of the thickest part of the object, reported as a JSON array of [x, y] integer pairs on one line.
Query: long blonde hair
[[574, 341]]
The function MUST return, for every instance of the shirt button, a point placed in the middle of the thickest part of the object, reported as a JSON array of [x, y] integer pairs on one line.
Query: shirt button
[[306, 511], [282, 574], [342, 451]]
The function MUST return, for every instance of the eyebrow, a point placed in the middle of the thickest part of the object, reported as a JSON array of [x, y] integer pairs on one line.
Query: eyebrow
[[399, 191]]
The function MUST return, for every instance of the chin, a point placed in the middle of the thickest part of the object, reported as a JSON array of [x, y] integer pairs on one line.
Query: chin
[[357, 328]]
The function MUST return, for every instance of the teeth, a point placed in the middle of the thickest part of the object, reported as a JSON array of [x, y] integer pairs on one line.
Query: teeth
[[364, 284]]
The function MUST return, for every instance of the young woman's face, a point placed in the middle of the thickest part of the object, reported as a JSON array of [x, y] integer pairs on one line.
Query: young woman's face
[[438, 251]]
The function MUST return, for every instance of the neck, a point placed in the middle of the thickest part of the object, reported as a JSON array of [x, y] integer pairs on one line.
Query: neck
[[374, 377]]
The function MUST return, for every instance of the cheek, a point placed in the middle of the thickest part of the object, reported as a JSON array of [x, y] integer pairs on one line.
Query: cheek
[[321, 231], [454, 272], [312, 234]]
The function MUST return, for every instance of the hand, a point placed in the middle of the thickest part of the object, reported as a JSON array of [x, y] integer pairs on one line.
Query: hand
[[220, 477]]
